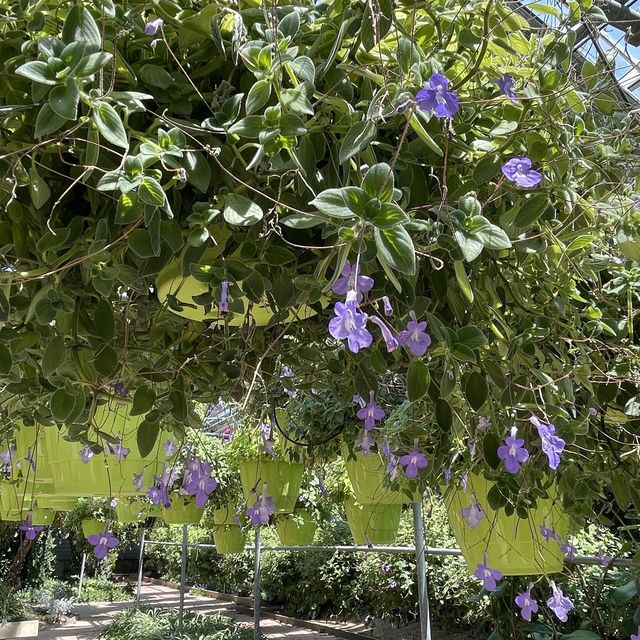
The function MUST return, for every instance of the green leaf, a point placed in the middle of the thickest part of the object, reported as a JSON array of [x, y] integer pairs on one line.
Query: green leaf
[[303, 68], [62, 405], [6, 360], [493, 237], [104, 321], [64, 100], [396, 247], [47, 121], [5, 307], [486, 168], [253, 286], [463, 353], [258, 96], [296, 100], [292, 125], [471, 337], [463, 280], [530, 210], [276, 255], [140, 243], [241, 211], [470, 245], [109, 124], [150, 191], [581, 634], [38, 71], [143, 400], [53, 356], [92, 63], [38, 189], [378, 182], [416, 125], [249, 127], [302, 221], [81, 27], [198, 170], [156, 76], [476, 390], [147, 436], [106, 361], [332, 203], [357, 139], [290, 24], [418, 379], [375, 25], [443, 414], [389, 216]]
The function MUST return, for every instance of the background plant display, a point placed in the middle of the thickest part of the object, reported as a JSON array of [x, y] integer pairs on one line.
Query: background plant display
[[422, 219]]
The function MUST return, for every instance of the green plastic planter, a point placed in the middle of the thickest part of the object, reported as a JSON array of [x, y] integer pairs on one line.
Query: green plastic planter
[[229, 539], [512, 545], [57, 504], [104, 476], [373, 523], [182, 511], [92, 527], [293, 532], [225, 515], [14, 504], [283, 481], [129, 512], [42, 517], [32, 442]]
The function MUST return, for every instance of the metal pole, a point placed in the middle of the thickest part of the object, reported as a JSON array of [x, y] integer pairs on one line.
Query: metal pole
[[423, 587], [256, 589], [183, 576], [140, 565], [84, 560]]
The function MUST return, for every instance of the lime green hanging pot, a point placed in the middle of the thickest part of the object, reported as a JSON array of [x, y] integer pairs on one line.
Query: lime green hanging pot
[[513, 545], [373, 524], [103, 475], [57, 504], [92, 527], [283, 481], [182, 511], [225, 515], [42, 517], [297, 529], [14, 503], [31, 451], [229, 539], [129, 511]]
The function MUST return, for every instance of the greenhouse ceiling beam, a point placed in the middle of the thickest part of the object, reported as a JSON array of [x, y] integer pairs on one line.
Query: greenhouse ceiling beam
[[624, 18]]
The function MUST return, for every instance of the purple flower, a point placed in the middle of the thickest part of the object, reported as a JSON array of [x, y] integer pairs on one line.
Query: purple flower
[[593, 411], [138, 481], [472, 450], [287, 372], [569, 550], [151, 28], [170, 447], [558, 603], [605, 561], [464, 480], [473, 514], [351, 324], [6, 457], [635, 636], [102, 542], [347, 281], [548, 534], [519, 171], [371, 413], [437, 99], [365, 442], [413, 462], [414, 337], [392, 584], [388, 309], [263, 509], [30, 460], [513, 452], [266, 431], [483, 423], [552, 445], [390, 340], [447, 476], [200, 487], [506, 84], [119, 451], [527, 604], [159, 495], [488, 576], [385, 568], [30, 530], [324, 492], [358, 399], [85, 455], [223, 304], [392, 466]]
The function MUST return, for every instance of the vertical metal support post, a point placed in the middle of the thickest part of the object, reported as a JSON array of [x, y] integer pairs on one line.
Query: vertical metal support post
[[84, 561], [183, 576], [140, 565], [423, 587], [256, 589]]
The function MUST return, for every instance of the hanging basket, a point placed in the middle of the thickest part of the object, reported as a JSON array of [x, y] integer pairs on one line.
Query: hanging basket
[[283, 481], [104, 476], [128, 512], [297, 529], [14, 504], [42, 517], [225, 515], [92, 527], [373, 524], [229, 539], [182, 511], [57, 504], [513, 545], [31, 444]]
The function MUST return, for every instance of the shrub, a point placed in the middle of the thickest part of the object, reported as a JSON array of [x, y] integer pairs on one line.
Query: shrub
[[103, 590]]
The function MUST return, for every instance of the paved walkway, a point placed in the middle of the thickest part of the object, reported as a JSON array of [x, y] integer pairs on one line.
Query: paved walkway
[[93, 618]]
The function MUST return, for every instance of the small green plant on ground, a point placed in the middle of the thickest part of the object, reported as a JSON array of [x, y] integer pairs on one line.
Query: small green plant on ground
[[155, 624], [104, 590]]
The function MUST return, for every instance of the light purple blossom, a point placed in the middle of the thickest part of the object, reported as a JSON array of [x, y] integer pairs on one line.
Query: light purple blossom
[[605, 560], [519, 171], [593, 411], [392, 465], [635, 636], [413, 462], [527, 604], [30, 530], [85, 455], [30, 460], [350, 324], [483, 423], [513, 452], [488, 576], [119, 451], [263, 509], [569, 550], [371, 413], [506, 84], [464, 480], [552, 445], [558, 603], [268, 442], [437, 99], [287, 372], [159, 495], [102, 542], [414, 337], [447, 476], [138, 481], [385, 568], [322, 488], [151, 28], [472, 450], [223, 304], [200, 487], [170, 447], [390, 340], [358, 399], [347, 281], [388, 309], [6, 457], [473, 514], [547, 533], [365, 442]]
